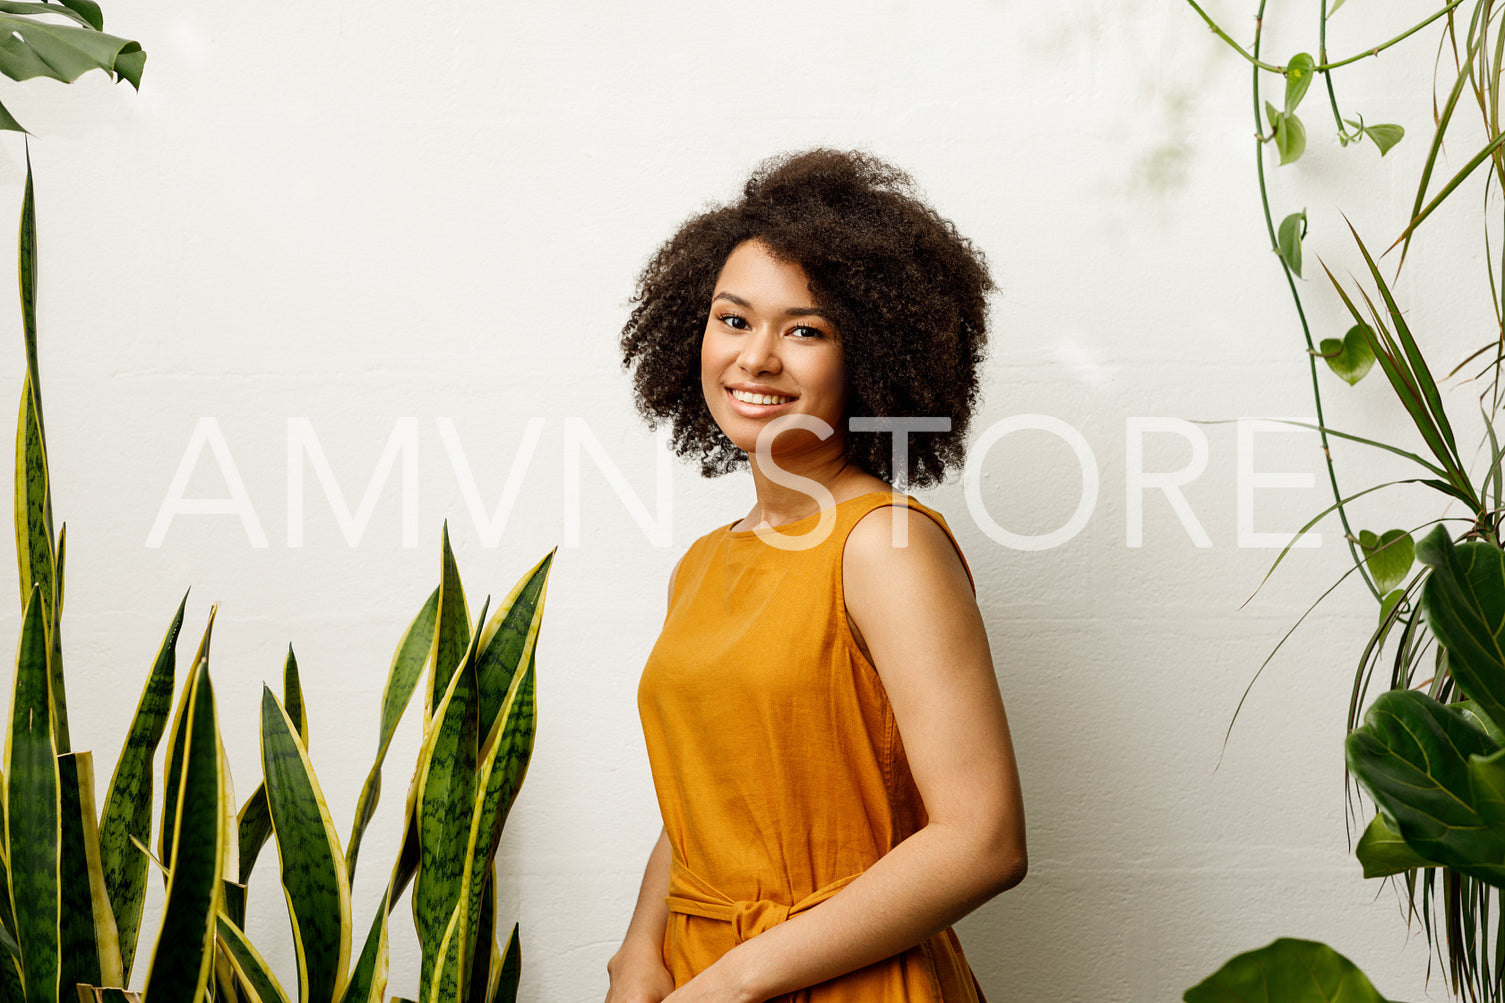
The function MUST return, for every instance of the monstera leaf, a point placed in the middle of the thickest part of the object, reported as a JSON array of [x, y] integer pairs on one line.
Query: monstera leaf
[[63, 41]]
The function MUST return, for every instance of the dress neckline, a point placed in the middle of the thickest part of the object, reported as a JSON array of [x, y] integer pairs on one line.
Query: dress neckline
[[785, 527]]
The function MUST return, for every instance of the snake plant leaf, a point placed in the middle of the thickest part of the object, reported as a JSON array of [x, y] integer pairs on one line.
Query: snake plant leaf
[[504, 764], [1299, 73], [33, 494], [1288, 240], [184, 955], [1286, 971], [452, 628], [254, 823], [402, 679], [58, 691], [308, 849], [1464, 602], [508, 639], [368, 980], [173, 768], [1412, 756], [11, 990], [444, 978], [446, 798], [31, 810], [508, 972], [483, 956], [1383, 853], [1352, 357], [128, 802], [1388, 556], [250, 967], [89, 942]]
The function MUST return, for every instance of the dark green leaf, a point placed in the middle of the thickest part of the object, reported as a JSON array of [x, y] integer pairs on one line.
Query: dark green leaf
[[452, 631], [1411, 755], [313, 868], [368, 980], [128, 805], [31, 48], [1288, 241], [80, 945], [504, 988], [1298, 78], [402, 679], [1352, 357], [184, 954], [1464, 602], [1389, 557], [31, 793], [1486, 777], [1287, 971], [1383, 852], [508, 640], [248, 962]]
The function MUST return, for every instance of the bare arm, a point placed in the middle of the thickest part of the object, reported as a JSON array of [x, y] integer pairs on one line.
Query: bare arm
[[916, 615], [637, 969]]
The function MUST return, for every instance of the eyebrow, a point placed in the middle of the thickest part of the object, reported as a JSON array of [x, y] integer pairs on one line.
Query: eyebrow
[[798, 311]]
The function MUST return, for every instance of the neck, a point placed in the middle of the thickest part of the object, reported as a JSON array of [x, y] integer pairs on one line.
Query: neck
[[826, 465]]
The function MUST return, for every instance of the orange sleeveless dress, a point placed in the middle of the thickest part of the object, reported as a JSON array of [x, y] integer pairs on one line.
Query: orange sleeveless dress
[[775, 756]]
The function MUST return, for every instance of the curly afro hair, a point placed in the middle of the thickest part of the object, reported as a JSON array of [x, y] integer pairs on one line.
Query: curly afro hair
[[906, 291]]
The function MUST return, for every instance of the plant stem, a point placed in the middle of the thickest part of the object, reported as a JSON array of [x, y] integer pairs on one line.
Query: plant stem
[[1253, 57], [1327, 77], [1306, 331]]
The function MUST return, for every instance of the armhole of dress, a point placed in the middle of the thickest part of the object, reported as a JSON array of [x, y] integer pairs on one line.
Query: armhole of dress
[[841, 588]]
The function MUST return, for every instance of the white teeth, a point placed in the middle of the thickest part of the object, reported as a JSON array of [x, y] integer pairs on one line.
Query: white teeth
[[747, 398]]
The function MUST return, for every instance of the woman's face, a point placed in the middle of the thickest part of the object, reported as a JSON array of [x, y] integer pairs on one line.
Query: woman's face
[[769, 351]]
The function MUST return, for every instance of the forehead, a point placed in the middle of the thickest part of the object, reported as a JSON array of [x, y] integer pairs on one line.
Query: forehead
[[752, 267]]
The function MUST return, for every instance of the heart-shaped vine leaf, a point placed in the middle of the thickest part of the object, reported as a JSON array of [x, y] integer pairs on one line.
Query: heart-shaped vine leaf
[[1352, 357], [1385, 136], [1288, 240], [1388, 556], [1298, 78]]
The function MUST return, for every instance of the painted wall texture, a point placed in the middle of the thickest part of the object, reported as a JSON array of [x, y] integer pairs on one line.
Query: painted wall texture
[[330, 235]]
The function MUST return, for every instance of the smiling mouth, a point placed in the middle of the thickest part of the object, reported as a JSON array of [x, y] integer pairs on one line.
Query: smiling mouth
[[751, 398]]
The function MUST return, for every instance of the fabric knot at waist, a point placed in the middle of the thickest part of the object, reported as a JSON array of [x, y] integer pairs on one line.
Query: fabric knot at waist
[[692, 895]]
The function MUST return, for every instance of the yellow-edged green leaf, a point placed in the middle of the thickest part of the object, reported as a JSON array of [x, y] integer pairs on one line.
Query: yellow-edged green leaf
[[31, 811], [368, 980], [172, 771], [249, 965], [483, 955], [402, 679], [308, 849], [446, 798], [452, 628], [254, 822], [508, 639], [89, 943], [509, 971], [184, 955], [128, 804]]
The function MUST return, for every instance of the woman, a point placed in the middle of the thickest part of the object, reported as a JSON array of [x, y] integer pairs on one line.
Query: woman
[[827, 739]]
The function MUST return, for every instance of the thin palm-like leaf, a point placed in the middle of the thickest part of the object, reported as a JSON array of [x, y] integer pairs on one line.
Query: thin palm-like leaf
[[1414, 357], [313, 868], [31, 812], [1447, 189], [184, 955], [402, 679], [128, 803]]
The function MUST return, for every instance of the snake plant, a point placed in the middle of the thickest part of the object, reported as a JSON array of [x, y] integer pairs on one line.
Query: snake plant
[[73, 880]]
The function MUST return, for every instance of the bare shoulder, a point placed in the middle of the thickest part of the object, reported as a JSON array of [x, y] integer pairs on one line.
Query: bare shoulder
[[897, 547]]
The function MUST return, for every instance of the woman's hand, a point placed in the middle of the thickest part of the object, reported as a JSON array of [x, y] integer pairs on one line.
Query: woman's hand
[[720, 983], [638, 978]]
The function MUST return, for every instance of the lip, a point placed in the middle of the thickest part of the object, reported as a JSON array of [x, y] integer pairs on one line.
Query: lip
[[757, 410]]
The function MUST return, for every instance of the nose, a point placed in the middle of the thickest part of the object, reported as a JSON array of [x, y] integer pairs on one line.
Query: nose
[[759, 352]]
